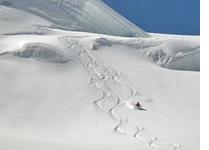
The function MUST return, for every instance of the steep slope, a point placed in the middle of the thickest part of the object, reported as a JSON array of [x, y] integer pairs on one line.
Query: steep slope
[[80, 15], [73, 90]]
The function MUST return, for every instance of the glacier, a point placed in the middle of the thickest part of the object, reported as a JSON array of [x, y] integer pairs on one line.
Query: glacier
[[79, 15], [71, 74]]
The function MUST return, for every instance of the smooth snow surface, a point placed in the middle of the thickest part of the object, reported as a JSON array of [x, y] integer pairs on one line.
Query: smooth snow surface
[[62, 89]]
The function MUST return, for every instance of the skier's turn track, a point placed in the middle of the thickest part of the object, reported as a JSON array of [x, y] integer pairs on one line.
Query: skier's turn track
[[103, 78]]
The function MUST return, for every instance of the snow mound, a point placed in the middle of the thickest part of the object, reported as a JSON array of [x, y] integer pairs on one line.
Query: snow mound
[[173, 52], [40, 52], [100, 42], [177, 54], [78, 15]]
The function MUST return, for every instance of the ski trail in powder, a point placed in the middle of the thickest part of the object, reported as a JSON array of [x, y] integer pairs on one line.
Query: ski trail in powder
[[101, 76]]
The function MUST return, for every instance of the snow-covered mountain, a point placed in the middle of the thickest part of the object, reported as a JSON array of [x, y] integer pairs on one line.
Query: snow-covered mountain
[[80, 15], [63, 88]]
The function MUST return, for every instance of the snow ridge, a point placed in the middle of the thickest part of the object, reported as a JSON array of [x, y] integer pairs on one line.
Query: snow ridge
[[178, 53], [40, 52]]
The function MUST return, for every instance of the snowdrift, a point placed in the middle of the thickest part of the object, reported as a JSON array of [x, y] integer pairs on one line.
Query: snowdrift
[[40, 52]]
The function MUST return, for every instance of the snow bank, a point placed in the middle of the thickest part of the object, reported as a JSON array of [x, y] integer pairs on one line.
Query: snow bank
[[173, 52], [41, 52]]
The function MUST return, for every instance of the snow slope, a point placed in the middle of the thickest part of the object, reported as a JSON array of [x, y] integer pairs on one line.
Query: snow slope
[[79, 15], [80, 85], [62, 89]]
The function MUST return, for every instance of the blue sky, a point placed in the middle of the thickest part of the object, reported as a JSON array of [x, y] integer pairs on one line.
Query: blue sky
[[161, 16]]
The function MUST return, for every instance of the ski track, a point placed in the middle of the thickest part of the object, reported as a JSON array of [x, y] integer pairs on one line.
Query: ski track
[[100, 75]]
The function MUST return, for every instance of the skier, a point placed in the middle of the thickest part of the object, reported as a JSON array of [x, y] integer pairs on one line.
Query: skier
[[139, 107]]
